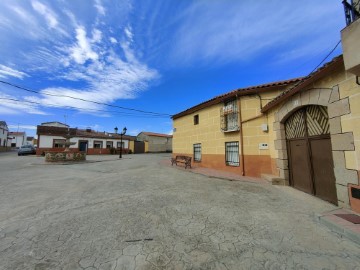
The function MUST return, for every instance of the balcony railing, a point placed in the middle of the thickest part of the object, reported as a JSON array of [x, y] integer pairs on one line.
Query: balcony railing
[[351, 10], [229, 119]]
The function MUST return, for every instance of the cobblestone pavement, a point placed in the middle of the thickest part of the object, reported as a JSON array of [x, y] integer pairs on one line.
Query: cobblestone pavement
[[138, 214]]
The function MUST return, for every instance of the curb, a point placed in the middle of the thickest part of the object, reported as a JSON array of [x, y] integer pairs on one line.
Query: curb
[[340, 226]]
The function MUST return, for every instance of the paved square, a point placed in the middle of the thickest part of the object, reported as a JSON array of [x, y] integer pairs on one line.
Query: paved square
[[138, 214]]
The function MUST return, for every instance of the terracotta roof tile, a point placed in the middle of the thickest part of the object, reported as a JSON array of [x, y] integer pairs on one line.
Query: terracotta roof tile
[[156, 134], [16, 133], [329, 66], [237, 92]]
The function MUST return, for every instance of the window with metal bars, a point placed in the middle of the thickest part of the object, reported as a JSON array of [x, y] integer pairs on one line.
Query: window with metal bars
[[229, 120], [232, 153], [109, 144], [197, 152], [58, 143], [98, 144]]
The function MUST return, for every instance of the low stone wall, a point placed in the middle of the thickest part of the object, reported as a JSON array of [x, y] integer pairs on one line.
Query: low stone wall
[[64, 156]]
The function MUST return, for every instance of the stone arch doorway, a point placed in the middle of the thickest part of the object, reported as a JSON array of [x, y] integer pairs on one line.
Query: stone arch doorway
[[311, 166]]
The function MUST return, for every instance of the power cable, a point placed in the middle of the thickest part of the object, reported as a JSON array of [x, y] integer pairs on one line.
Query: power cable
[[85, 100], [306, 77], [93, 110], [325, 57]]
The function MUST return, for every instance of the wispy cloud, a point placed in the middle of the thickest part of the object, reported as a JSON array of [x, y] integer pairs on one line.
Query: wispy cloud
[[22, 127], [10, 72], [9, 106], [244, 30], [82, 51], [104, 68], [100, 8], [45, 11]]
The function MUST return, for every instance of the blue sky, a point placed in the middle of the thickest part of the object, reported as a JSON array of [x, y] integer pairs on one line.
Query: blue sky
[[160, 56]]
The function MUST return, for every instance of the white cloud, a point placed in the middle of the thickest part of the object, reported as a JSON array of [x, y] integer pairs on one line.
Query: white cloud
[[9, 72], [8, 106], [48, 14], [82, 51], [133, 132], [22, 127], [113, 40], [244, 30], [100, 8], [96, 35], [129, 33]]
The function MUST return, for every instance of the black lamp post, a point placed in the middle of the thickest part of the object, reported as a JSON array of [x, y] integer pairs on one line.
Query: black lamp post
[[121, 135]]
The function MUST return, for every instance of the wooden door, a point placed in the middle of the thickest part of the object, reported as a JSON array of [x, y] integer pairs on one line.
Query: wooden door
[[310, 154], [300, 165], [323, 167]]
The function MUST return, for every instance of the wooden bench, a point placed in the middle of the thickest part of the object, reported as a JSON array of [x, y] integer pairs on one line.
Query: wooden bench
[[181, 159]]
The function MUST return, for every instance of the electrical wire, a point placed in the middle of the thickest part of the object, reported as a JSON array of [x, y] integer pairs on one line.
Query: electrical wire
[[306, 77], [82, 99], [85, 109], [325, 57]]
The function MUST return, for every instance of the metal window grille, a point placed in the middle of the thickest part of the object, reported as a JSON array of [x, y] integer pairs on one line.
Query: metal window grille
[[122, 145], [229, 115], [197, 152], [109, 144], [232, 153], [98, 144], [59, 143], [352, 10]]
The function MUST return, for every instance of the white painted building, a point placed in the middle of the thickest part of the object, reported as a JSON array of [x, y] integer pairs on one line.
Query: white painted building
[[52, 138], [4, 131], [17, 139]]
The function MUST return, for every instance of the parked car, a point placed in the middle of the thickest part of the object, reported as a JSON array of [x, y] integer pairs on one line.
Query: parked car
[[26, 149]]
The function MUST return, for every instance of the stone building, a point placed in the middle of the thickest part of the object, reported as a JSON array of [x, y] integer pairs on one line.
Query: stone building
[[303, 132], [157, 142]]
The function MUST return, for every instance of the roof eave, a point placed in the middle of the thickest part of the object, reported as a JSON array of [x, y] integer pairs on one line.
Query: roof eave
[[232, 94], [307, 81]]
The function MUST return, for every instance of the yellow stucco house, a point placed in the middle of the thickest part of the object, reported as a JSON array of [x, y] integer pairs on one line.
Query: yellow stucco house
[[303, 132]]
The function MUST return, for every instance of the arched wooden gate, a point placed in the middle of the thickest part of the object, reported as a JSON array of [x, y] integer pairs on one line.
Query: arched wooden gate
[[310, 154]]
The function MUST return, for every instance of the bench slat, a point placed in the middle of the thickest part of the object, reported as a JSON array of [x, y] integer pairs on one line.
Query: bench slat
[[181, 159]]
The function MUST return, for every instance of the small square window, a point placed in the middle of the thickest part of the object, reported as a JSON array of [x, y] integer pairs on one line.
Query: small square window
[[196, 119]]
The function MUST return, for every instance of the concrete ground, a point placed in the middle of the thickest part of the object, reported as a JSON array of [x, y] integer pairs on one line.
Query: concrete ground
[[137, 213]]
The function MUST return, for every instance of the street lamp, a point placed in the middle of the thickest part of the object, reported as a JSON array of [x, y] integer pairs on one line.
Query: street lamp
[[121, 134]]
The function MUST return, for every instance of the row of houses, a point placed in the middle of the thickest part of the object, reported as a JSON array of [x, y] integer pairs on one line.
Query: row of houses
[[9, 139], [51, 137]]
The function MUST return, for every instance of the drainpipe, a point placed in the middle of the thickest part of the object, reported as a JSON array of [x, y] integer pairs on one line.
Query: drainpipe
[[241, 140]]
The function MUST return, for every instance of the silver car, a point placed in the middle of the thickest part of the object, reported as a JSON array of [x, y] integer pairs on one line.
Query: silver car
[[26, 150]]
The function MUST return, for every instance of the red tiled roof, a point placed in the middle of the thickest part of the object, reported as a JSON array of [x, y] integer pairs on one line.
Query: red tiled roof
[[237, 92], [16, 133], [60, 131], [104, 135], [306, 81], [156, 134]]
